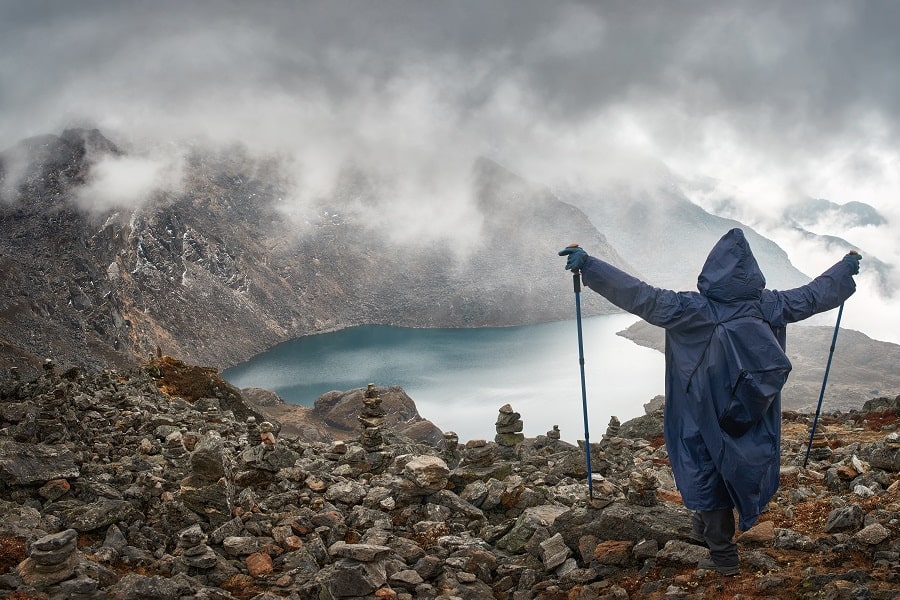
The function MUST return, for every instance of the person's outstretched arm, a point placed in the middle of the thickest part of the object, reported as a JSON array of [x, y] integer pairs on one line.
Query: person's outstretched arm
[[657, 306], [825, 292]]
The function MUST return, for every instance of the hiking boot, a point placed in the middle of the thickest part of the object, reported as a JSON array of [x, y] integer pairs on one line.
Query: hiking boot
[[707, 564]]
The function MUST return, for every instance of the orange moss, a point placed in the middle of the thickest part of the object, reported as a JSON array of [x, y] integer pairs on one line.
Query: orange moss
[[241, 586], [176, 378], [12, 552]]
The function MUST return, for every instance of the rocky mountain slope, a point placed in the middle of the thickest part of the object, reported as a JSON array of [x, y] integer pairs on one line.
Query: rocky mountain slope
[[219, 271], [145, 484]]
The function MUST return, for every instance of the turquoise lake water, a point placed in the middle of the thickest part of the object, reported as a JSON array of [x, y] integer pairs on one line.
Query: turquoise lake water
[[459, 378]]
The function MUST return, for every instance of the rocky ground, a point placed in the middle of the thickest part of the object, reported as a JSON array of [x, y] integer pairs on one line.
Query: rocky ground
[[163, 482]]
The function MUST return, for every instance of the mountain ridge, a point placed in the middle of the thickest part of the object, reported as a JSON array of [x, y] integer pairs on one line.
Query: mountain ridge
[[217, 270], [108, 288]]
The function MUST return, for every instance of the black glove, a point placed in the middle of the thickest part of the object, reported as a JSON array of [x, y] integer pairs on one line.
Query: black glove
[[576, 257], [853, 257]]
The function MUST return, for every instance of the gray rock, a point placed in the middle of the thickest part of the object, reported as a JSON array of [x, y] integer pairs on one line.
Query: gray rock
[[348, 492], [788, 539], [681, 553], [554, 552], [27, 464], [359, 552], [407, 578], [207, 459], [140, 587], [100, 514], [240, 546], [425, 475], [845, 518], [528, 522], [229, 528], [883, 455], [872, 535], [348, 577], [624, 521], [114, 539]]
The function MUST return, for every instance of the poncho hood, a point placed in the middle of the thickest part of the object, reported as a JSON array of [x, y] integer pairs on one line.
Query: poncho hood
[[731, 272]]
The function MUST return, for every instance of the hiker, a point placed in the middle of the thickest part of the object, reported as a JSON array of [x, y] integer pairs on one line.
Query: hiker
[[725, 366]]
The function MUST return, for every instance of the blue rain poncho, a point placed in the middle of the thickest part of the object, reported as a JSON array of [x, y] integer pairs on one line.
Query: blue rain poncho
[[724, 444]]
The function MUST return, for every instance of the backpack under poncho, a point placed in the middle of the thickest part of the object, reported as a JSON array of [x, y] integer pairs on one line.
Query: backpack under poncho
[[757, 370]]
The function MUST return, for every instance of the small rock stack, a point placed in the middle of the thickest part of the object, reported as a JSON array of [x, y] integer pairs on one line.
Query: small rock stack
[[451, 452], [642, 486], [267, 434], [614, 452], [819, 449], [195, 554], [509, 427], [252, 431], [613, 428], [372, 418], [206, 490], [554, 434], [53, 559], [173, 448]]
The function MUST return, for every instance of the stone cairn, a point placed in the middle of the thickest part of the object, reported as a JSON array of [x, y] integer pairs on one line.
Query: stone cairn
[[615, 451], [451, 454], [195, 554], [612, 431], [173, 448], [509, 427], [642, 486], [554, 434], [479, 454], [53, 559], [372, 418], [252, 431], [820, 450], [267, 435]]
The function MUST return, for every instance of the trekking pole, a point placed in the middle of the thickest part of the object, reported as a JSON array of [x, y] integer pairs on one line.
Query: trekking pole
[[576, 281], [837, 326]]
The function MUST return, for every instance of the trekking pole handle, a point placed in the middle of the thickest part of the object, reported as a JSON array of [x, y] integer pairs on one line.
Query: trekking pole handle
[[576, 274]]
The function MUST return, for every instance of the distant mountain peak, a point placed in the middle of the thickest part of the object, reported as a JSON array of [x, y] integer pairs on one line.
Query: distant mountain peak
[[809, 212]]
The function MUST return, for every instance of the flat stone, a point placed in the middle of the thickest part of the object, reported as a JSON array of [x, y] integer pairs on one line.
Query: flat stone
[[872, 535], [207, 560], [34, 575], [360, 552], [28, 464], [761, 533]]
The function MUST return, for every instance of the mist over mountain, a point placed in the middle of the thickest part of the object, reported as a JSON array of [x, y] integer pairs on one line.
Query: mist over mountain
[[224, 268], [881, 273], [102, 269], [810, 212], [675, 236]]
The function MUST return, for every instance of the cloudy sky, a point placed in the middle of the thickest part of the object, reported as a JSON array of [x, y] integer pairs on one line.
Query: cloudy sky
[[765, 102]]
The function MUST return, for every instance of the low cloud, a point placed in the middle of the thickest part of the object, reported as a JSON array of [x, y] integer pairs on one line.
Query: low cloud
[[126, 182], [756, 105]]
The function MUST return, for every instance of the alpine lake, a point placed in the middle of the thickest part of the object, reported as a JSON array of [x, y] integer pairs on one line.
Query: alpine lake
[[459, 378]]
